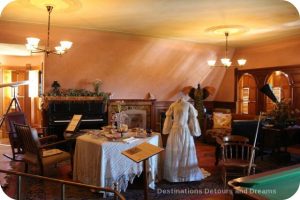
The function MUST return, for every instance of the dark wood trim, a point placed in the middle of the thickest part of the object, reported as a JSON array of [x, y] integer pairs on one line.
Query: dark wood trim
[[261, 75], [159, 108], [223, 104], [236, 83]]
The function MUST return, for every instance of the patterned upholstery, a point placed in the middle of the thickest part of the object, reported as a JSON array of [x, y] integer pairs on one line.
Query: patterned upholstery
[[211, 134]]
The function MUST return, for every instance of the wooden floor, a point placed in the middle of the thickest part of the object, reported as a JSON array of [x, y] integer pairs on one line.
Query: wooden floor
[[205, 154]]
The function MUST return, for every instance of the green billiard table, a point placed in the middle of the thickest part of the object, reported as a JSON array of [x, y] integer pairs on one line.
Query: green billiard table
[[276, 184]]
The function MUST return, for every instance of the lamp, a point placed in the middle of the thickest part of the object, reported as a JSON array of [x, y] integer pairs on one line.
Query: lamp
[[295, 3], [226, 62], [3, 4], [32, 43]]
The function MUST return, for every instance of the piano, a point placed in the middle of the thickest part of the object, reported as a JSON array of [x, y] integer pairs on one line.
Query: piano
[[59, 112]]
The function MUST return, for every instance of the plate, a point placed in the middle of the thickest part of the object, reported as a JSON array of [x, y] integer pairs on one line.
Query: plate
[[269, 125]]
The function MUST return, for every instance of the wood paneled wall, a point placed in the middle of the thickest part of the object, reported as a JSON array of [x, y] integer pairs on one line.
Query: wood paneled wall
[[261, 76]]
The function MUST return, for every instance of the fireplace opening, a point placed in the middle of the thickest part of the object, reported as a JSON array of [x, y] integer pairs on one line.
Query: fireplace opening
[[136, 118]]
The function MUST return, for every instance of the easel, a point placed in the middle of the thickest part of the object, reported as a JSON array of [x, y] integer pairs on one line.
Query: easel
[[14, 99], [142, 153]]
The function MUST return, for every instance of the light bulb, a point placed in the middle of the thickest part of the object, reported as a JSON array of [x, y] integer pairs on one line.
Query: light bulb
[[211, 62], [242, 62], [66, 44]]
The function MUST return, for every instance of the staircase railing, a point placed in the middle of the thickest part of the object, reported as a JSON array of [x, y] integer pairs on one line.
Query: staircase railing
[[117, 195]]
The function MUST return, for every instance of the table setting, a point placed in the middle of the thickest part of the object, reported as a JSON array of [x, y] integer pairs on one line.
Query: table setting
[[97, 157]]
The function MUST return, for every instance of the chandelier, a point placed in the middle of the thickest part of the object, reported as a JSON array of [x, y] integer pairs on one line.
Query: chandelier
[[32, 43], [3, 4], [226, 62]]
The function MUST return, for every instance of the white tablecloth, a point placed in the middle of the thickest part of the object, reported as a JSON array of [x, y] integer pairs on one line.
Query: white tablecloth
[[99, 162]]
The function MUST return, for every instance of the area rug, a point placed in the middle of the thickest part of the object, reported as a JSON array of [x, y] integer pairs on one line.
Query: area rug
[[209, 188], [36, 189], [5, 163], [164, 190]]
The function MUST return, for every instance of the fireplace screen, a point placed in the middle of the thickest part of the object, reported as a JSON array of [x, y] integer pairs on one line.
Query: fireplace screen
[[136, 118]]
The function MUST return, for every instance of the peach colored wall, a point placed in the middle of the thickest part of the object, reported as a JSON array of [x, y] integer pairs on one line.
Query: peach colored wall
[[280, 53], [130, 66]]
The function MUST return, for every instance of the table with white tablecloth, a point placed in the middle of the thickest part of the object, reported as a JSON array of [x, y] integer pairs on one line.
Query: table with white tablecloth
[[98, 161]]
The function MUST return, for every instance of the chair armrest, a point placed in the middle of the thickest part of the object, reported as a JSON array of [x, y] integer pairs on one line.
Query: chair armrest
[[49, 138], [55, 143], [41, 130], [219, 141]]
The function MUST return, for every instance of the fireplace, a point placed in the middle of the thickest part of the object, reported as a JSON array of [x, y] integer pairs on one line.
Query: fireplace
[[136, 118], [139, 112]]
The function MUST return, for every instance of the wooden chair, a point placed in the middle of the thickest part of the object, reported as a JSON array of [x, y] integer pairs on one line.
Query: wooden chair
[[236, 154], [15, 142], [37, 154]]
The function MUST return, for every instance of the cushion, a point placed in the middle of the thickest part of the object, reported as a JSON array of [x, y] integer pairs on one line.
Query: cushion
[[221, 120], [212, 134]]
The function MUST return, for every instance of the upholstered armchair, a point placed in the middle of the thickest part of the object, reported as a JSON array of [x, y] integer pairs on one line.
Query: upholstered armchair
[[218, 125]]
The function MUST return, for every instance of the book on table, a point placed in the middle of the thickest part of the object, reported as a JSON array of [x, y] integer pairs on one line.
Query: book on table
[[142, 152]]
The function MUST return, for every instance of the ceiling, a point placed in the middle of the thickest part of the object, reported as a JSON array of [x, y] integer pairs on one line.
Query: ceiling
[[248, 21]]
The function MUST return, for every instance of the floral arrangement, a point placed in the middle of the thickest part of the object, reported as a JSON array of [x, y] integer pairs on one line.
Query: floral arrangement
[[56, 91], [283, 115], [97, 84], [119, 117]]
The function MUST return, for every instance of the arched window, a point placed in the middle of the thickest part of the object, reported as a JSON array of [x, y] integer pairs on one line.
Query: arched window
[[280, 84], [247, 94]]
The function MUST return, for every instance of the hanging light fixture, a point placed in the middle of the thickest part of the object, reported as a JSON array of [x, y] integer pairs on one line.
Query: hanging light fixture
[[226, 62], [3, 4], [32, 43]]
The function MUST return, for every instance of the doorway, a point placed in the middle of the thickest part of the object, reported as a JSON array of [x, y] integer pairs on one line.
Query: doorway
[[28, 104]]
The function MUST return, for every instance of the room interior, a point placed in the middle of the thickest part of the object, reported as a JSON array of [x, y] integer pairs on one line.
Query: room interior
[[145, 52]]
